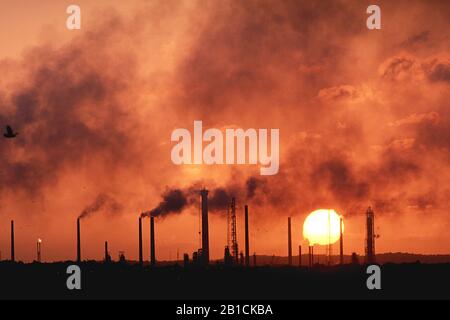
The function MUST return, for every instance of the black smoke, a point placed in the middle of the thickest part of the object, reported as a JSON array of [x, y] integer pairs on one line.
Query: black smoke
[[104, 203]]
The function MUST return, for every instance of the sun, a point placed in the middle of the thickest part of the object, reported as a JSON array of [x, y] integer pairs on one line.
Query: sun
[[322, 227]]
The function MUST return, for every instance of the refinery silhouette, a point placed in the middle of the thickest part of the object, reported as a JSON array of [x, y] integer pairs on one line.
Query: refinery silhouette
[[239, 275]]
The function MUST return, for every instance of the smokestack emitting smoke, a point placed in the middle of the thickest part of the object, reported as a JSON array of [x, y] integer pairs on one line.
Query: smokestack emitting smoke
[[140, 241], [152, 242], [102, 201], [205, 227], [341, 242], [12, 242], [247, 245], [289, 242], [174, 201], [78, 241]]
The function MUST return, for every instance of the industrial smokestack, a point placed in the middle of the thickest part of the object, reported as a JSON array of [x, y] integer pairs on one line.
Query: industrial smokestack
[[370, 237], [107, 256], [341, 242], [140, 241], [247, 248], [152, 242], [299, 256], [12, 242], [38, 250], [205, 227], [289, 242], [78, 241], [311, 255]]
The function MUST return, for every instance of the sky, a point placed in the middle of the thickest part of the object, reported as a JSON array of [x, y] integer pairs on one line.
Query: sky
[[363, 118]]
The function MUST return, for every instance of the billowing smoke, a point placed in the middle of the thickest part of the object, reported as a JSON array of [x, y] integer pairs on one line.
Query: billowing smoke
[[102, 203], [174, 201]]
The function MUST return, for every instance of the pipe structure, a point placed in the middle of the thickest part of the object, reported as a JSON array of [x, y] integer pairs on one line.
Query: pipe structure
[[140, 242], [107, 257], [247, 247], [38, 250], [299, 256], [205, 227], [12, 242], [289, 242], [78, 241], [152, 242], [341, 242]]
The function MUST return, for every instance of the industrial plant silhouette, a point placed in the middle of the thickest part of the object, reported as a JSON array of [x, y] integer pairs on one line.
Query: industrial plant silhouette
[[238, 275]]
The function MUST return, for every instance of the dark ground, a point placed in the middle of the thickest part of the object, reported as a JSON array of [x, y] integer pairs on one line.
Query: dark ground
[[125, 281]]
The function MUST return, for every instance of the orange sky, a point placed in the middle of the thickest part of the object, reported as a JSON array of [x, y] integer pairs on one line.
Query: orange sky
[[363, 118]]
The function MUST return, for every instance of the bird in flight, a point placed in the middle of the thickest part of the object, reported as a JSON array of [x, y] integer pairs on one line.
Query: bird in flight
[[10, 133]]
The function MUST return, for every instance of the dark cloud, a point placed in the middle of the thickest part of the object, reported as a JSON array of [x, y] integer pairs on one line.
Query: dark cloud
[[416, 39], [397, 67], [440, 72], [67, 111]]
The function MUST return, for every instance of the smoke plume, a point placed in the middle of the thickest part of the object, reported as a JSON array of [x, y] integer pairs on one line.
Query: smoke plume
[[102, 202]]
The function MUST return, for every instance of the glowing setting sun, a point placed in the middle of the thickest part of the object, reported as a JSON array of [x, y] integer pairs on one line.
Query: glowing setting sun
[[322, 227]]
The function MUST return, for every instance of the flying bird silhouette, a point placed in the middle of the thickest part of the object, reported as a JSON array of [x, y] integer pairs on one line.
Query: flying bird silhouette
[[10, 133]]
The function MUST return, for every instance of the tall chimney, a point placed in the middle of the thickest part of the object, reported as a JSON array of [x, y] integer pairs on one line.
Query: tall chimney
[[341, 242], [140, 241], [309, 256], [205, 228], [289, 242], [78, 241], [370, 236], [247, 248], [106, 252], [38, 250], [299, 256], [152, 242], [12, 241]]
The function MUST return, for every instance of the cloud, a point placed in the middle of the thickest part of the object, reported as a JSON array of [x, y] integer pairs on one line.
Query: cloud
[[430, 117], [404, 67], [439, 71], [338, 93], [398, 68], [416, 40]]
